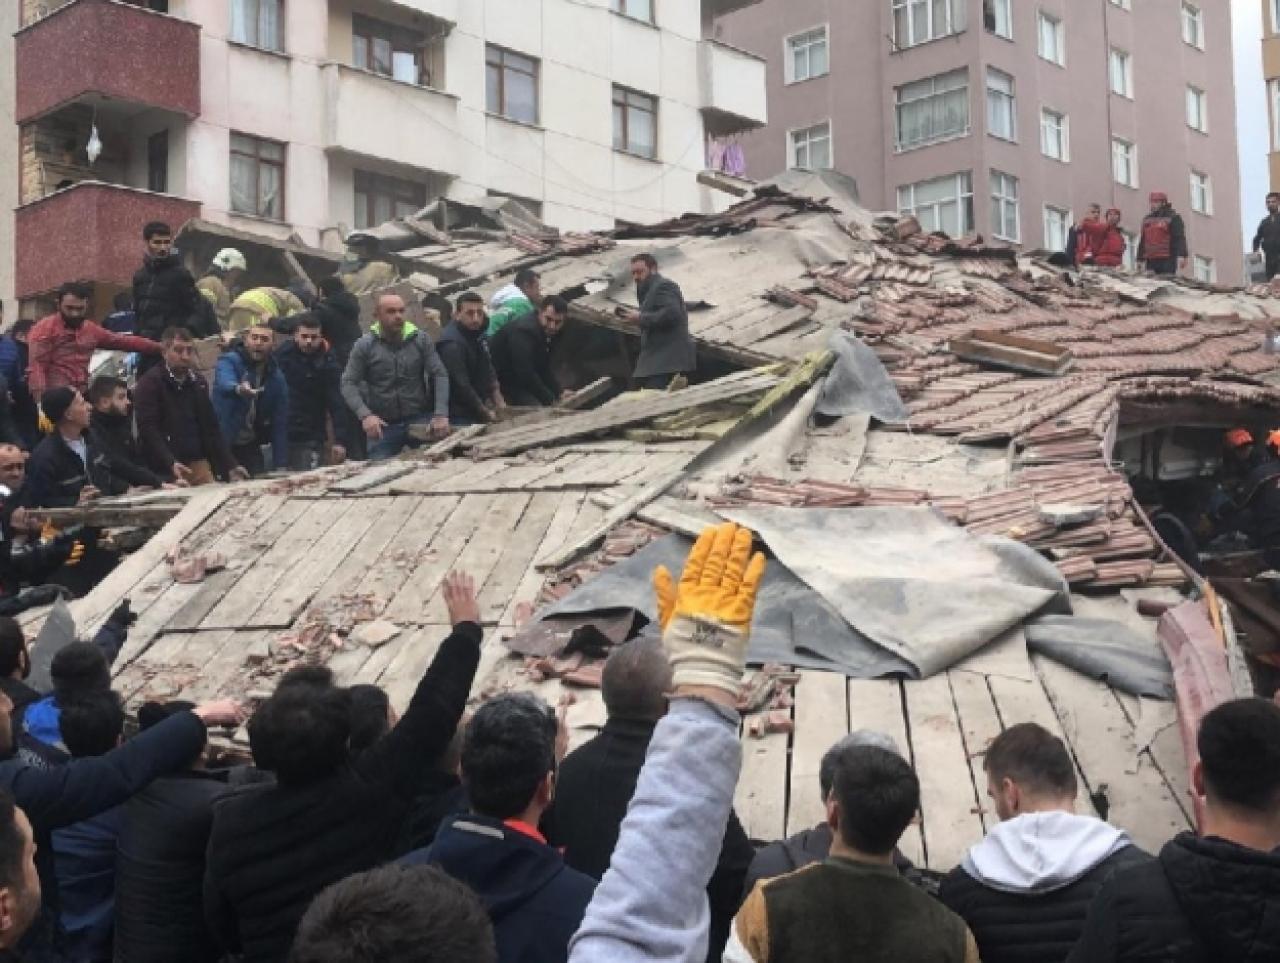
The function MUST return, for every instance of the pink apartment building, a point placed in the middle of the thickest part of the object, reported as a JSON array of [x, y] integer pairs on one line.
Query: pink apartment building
[[1008, 117]]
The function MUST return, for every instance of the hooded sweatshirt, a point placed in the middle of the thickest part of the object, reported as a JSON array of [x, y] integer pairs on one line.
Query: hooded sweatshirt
[[535, 901], [1025, 889]]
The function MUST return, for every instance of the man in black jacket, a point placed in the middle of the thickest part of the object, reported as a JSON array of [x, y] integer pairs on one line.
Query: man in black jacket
[[1026, 888], [598, 779], [1214, 897], [58, 472], [474, 395], [315, 393], [19, 881], [165, 293], [1267, 238], [274, 847], [521, 354], [15, 664], [666, 347], [116, 465], [338, 311]]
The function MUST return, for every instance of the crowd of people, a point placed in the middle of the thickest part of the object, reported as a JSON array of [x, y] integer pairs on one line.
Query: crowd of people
[[353, 834], [1098, 241]]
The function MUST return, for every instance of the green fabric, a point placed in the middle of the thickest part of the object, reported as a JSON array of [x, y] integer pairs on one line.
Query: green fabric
[[410, 329], [840, 910], [510, 311]]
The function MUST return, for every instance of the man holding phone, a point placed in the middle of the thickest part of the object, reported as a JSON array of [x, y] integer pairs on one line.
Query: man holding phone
[[251, 399]]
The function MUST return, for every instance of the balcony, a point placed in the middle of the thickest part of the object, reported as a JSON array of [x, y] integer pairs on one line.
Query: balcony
[[107, 50], [718, 8], [446, 10], [733, 88], [90, 231], [370, 115]]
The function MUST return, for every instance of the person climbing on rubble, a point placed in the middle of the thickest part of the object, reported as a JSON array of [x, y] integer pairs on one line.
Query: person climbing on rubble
[[263, 306], [521, 354], [1249, 502], [220, 283], [666, 347], [515, 301], [116, 466], [165, 295], [1162, 247], [474, 395], [1077, 248], [27, 561], [251, 400]]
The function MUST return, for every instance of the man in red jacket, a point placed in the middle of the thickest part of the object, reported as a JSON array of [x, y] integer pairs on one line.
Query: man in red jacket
[[1102, 242], [1163, 245], [62, 344]]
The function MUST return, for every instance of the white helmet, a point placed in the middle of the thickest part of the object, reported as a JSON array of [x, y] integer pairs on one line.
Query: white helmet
[[229, 259]]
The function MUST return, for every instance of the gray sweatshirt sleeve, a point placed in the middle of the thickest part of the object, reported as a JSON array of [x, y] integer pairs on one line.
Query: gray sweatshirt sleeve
[[439, 378], [353, 377], [651, 906]]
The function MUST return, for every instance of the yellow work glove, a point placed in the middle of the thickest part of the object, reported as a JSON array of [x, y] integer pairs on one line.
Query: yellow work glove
[[77, 553], [44, 424], [706, 619]]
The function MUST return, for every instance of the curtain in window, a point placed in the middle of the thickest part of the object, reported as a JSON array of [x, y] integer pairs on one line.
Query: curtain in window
[[244, 184]]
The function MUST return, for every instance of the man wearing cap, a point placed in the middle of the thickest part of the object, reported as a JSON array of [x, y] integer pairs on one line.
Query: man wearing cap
[[221, 281], [1162, 248], [58, 472]]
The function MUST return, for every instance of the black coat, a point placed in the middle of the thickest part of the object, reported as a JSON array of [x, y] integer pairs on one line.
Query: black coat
[[593, 789], [315, 390], [55, 475], [1029, 927], [666, 347], [1203, 901], [1267, 237], [522, 359], [115, 463], [165, 295], [339, 318], [160, 870], [471, 380], [273, 848], [176, 422]]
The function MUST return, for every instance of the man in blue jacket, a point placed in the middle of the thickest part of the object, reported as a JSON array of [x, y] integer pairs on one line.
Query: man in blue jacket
[[314, 379], [251, 400]]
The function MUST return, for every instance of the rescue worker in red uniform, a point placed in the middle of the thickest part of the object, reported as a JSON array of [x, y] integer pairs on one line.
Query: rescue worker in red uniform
[[1102, 243], [1163, 246]]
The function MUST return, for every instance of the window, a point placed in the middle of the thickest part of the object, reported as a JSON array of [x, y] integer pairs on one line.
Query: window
[[1122, 4], [919, 21], [1275, 16], [810, 148], [1273, 87], [1197, 110], [1121, 73], [807, 55], [1053, 39], [1004, 206], [942, 204], [158, 162], [997, 17], [1130, 251], [1124, 162], [511, 85], [636, 9], [1057, 225], [1001, 113], [1192, 25], [1204, 269], [256, 23], [257, 177], [387, 49], [1201, 193], [1055, 137], [380, 198], [635, 122], [933, 109]]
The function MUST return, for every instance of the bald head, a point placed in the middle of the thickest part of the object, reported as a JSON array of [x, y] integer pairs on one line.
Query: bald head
[[389, 309], [636, 680]]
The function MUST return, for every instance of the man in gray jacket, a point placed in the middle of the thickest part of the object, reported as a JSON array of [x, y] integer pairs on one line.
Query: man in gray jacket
[[392, 372], [666, 347]]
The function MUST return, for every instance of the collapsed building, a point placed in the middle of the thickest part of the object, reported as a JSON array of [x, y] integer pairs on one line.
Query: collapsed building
[[952, 453]]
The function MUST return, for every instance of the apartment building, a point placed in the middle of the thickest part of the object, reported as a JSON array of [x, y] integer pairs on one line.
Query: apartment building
[[311, 118], [1271, 72], [1008, 117]]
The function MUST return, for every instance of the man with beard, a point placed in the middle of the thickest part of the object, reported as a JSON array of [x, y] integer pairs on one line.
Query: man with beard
[[315, 394], [115, 464], [666, 347], [252, 400], [165, 293]]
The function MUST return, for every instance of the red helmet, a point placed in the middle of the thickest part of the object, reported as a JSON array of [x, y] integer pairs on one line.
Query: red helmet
[[1239, 437]]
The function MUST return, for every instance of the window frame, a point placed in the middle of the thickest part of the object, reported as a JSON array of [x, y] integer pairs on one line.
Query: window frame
[[1063, 133], [256, 42], [259, 162], [1200, 98], [627, 94], [999, 8], [1011, 96], [962, 197], [1192, 14], [620, 7], [1057, 56], [1273, 90], [1068, 219], [1210, 266], [1274, 10], [1122, 4], [1202, 185], [503, 66], [1003, 200], [387, 186], [935, 94], [789, 53], [393, 35], [954, 24], [793, 147], [1122, 57], [1116, 144]]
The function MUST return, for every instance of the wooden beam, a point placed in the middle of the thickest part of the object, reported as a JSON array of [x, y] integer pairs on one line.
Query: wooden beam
[[372, 477], [584, 396], [94, 515]]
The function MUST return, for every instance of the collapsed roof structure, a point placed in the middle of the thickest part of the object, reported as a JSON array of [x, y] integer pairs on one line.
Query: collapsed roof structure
[[937, 440]]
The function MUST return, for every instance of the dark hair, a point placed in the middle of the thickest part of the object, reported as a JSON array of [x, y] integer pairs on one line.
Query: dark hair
[[301, 732], [863, 737], [507, 750], [91, 723], [1239, 745], [76, 289], [636, 680], [153, 713], [13, 643], [315, 675], [21, 326], [305, 320], [1273, 194], [175, 333], [156, 227], [1034, 758], [104, 387], [123, 301], [369, 706], [13, 844], [468, 297], [646, 258], [331, 285], [878, 796], [78, 668], [554, 301], [525, 277], [395, 914]]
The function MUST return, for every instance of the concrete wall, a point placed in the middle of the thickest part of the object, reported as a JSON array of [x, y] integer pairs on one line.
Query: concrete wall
[[858, 98], [9, 167]]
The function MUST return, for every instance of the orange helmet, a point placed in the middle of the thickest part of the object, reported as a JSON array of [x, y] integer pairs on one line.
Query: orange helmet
[[1273, 441], [1239, 437]]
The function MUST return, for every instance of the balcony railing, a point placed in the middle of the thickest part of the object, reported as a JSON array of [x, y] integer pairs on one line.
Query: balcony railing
[[733, 87]]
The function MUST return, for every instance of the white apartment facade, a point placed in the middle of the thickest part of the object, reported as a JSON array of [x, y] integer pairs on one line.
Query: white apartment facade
[[311, 118]]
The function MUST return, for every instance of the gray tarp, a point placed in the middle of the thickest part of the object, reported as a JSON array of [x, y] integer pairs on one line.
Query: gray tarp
[[857, 382], [908, 579], [1103, 649], [793, 624]]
